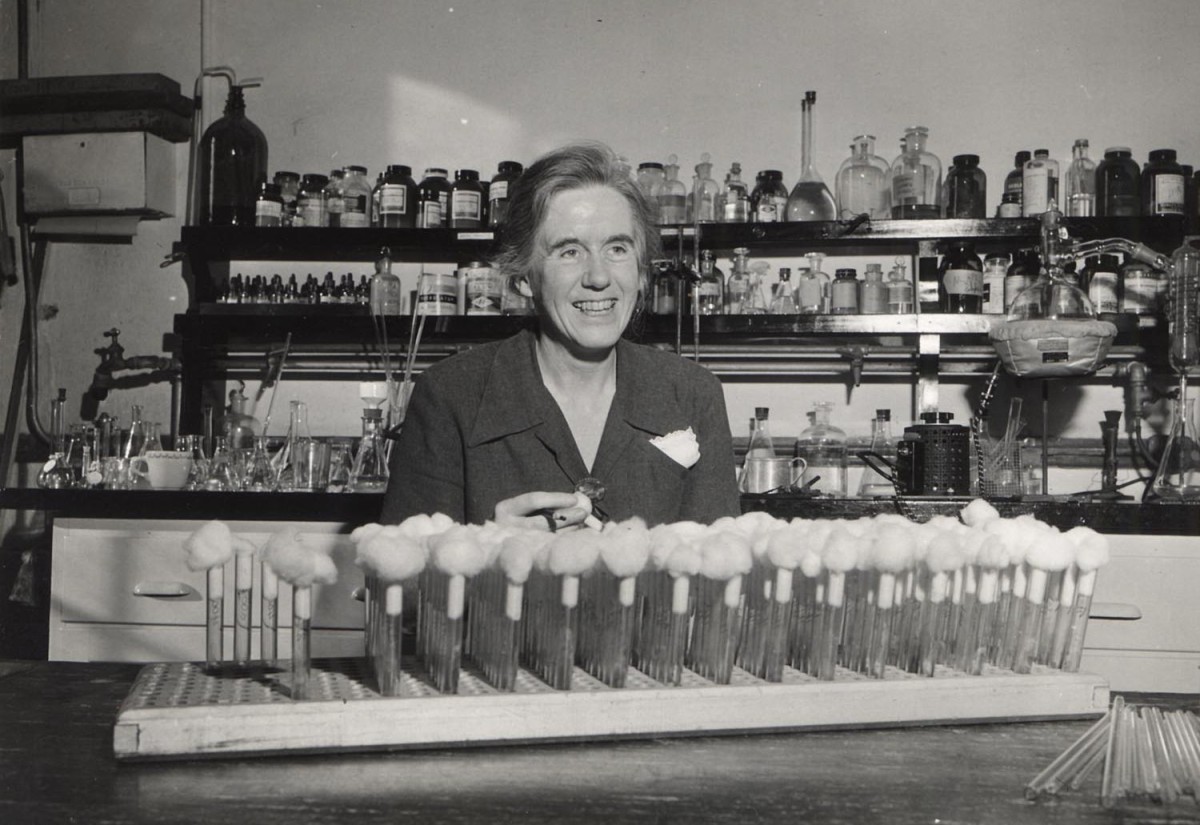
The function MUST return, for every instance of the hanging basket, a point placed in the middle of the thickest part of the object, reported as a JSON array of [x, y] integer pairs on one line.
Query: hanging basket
[[1046, 348]]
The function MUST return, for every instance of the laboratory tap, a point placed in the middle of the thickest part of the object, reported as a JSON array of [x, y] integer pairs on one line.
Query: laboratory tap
[[114, 360]]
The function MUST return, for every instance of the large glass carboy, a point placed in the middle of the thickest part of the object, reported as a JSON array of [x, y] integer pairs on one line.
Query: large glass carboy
[[823, 447], [811, 199]]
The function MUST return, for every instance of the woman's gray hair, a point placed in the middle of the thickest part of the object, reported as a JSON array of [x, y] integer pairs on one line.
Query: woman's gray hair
[[574, 166]]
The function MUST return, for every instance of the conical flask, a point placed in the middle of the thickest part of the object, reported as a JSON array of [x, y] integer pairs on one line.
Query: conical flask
[[370, 471], [1178, 474], [810, 199]]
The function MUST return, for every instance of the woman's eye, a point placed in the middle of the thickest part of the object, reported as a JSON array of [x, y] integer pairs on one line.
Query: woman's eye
[[569, 254], [618, 251]]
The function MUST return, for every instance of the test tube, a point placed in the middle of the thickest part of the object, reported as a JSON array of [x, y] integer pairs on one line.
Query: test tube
[[214, 642], [301, 640], [243, 590], [270, 616]]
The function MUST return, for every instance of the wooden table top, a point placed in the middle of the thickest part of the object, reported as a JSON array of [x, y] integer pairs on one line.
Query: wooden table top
[[56, 766]]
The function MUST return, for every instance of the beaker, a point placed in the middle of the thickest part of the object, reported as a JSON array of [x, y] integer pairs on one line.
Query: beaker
[[1178, 474]]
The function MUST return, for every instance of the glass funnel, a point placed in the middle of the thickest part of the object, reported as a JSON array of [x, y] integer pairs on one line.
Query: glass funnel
[[810, 199], [1178, 474]]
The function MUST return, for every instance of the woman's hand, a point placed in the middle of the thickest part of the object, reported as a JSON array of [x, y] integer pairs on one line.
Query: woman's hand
[[541, 511]]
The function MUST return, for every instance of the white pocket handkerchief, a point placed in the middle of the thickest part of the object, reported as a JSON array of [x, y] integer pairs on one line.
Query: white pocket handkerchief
[[680, 446]]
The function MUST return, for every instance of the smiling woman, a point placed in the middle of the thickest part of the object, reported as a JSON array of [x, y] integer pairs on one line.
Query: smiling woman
[[509, 430]]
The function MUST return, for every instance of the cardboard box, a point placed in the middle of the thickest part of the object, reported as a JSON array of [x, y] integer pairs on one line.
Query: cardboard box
[[105, 173]]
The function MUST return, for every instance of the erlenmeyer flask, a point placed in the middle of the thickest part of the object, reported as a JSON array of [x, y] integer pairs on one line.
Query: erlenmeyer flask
[[810, 199], [1178, 475], [260, 475], [222, 476]]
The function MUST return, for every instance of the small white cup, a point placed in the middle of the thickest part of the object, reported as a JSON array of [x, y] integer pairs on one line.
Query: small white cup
[[165, 469]]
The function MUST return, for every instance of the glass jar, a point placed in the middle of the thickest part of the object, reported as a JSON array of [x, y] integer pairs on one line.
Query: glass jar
[[466, 200], [1102, 281], [872, 292], [916, 178], [710, 289], [1014, 181], [960, 279], [768, 201], [268, 208], [310, 201], [1163, 190], [356, 197], [823, 448], [506, 175], [733, 202], [650, 179], [862, 184], [1139, 289], [1039, 186], [965, 189], [333, 198], [434, 197], [702, 202], [1010, 205], [289, 191], [1118, 184], [843, 292], [995, 270], [397, 198], [901, 298]]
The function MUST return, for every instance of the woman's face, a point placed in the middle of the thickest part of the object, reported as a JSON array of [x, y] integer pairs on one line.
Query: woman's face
[[586, 278]]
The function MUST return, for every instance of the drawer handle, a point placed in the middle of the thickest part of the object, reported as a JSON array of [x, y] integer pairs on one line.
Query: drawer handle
[[1114, 610], [163, 590]]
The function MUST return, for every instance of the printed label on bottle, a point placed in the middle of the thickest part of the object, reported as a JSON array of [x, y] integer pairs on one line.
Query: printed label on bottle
[[993, 293], [1009, 210], [498, 191], [1102, 292], [269, 210], [1166, 196], [464, 205], [1036, 193], [484, 290], [1138, 296], [393, 199], [765, 212], [438, 294], [335, 204], [312, 211], [964, 282], [431, 215]]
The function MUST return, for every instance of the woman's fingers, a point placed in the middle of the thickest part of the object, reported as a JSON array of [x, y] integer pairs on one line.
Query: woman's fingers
[[539, 510]]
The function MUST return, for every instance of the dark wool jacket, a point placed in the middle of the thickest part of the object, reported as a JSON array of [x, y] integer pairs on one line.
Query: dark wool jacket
[[482, 427]]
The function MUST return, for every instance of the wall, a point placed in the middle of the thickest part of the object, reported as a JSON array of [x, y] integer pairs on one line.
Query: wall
[[474, 82]]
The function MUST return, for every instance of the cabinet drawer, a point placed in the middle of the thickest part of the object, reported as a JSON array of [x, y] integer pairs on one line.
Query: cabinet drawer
[[135, 573]]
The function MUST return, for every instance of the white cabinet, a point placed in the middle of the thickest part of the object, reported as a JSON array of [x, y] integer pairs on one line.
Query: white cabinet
[[120, 591]]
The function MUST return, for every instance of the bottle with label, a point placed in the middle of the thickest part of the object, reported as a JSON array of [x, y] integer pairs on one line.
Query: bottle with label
[[268, 209], [873, 484], [506, 175], [433, 196], [665, 291], [965, 191], [872, 292], [232, 164], [437, 294], [733, 202], [960, 281], [483, 289], [756, 302], [1139, 289], [1081, 182], [387, 296], [808, 292], [397, 194], [768, 201], [333, 198], [369, 473], [1163, 191], [1102, 281], [356, 198], [702, 202], [1022, 273], [1118, 184], [1010, 205], [310, 201], [916, 178], [784, 300], [760, 443], [710, 289], [900, 293], [823, 448], [862, 185], [672, 199], [466, 200], [1014, 181], [737, 289], [650, 179], [1039, 186], [289, 191], [995, 270], [843, 293]]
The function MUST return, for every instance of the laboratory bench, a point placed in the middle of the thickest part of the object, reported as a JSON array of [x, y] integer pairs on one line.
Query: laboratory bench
[[57, 766]]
